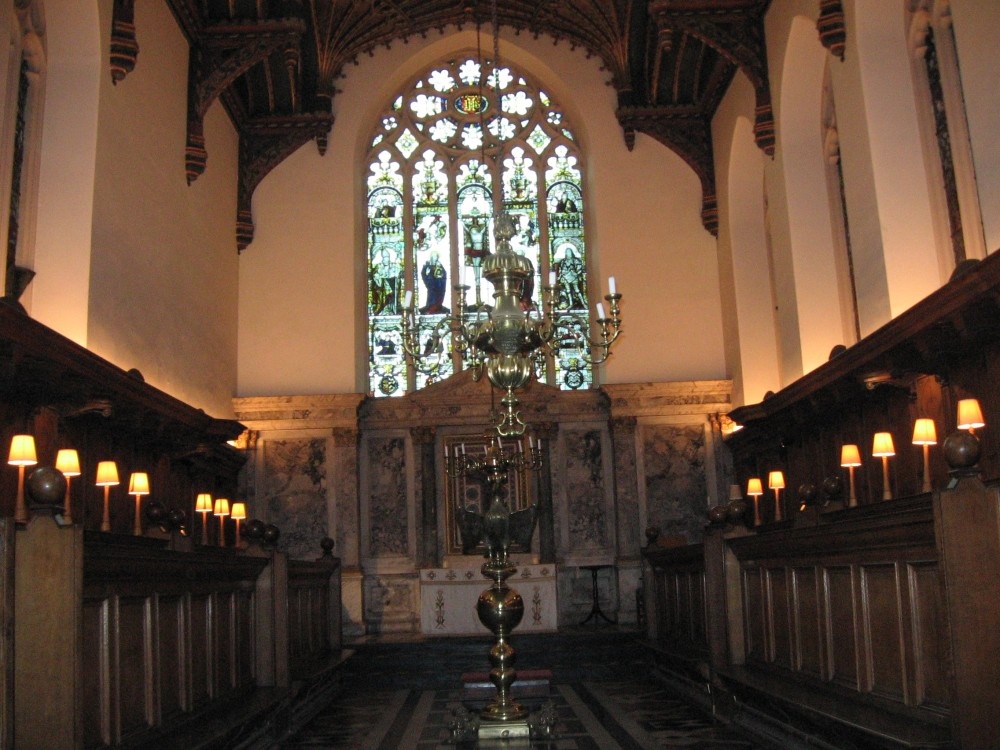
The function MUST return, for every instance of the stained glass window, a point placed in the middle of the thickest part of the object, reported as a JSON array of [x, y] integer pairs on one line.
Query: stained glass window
[[462, 142]]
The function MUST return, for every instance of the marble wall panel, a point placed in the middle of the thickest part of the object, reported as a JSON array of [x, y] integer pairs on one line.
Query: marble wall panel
[[674, 463], [589, 516], [294, 493], [388, 515]]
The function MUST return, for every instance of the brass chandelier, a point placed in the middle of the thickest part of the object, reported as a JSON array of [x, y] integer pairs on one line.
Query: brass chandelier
[[507, 341]]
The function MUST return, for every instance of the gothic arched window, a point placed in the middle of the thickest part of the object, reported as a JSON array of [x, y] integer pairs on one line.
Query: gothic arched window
[[461, 143]]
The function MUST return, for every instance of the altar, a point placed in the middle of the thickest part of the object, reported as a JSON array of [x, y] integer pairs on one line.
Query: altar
[[448, 599]]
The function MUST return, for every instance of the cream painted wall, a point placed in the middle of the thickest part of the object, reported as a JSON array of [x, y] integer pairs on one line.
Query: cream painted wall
[[747, 294], [302, 279], [163, 286], [977, 36]]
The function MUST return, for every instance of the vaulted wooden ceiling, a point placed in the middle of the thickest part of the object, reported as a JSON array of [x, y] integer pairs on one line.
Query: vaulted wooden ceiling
[[274, 65]]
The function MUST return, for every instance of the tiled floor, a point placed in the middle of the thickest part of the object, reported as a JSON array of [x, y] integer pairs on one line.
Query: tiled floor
[[400, 696]]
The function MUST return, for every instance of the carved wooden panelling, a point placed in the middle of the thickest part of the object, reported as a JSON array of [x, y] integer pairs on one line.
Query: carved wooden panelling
[[860, 607], [808, 618], [680, 598], [882, 629], [931, 655], [94, 665], [778, 619], [840, 625], [170, 632], [132, 679], [201, 634]]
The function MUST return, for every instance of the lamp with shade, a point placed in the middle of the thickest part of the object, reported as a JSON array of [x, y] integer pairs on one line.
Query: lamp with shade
[[222, 510], [22, 453], [970, 415], [755, 490], [107, 477], [138, 485], [883, 448], [776, 482], [850, 458], [925, 435], [68, 462], [238, 513], [203, 505]]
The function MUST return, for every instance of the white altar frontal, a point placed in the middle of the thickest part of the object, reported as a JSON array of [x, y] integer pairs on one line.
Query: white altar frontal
[[448, 599]]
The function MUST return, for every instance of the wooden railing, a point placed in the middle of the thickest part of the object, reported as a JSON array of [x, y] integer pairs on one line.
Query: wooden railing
[[314, 624]]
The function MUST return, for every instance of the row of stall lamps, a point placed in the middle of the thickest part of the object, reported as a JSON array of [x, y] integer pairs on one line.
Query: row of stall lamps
[[22, 455], [970, 417]]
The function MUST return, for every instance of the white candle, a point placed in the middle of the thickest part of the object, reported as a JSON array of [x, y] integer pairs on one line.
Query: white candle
[[531, 442], [552, 278], [611, 284], [407, 299], [463, 449], [600, 311]]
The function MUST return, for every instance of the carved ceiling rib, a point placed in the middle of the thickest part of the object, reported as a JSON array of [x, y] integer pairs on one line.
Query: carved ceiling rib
[[223, 53], [669, 61]]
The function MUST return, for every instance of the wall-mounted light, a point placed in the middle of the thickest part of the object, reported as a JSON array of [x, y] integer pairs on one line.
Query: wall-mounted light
[[203, 505], [107, 477], [138, 485], [22, 453], [68, 462], [925, 435], [850, 457], [776, 482], [883, 448], [755, 490]]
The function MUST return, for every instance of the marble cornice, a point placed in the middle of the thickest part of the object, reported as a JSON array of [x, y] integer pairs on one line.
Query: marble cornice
[[461, 401], [679, 398], [299, 412]]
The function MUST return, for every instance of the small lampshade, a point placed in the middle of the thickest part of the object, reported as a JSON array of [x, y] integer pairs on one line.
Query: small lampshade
[[776, 480], [138, 483], [970, 416], [68, 462], [107, 474], [22, 451], [754, 487], [735, 492], [222, 507], [924, 432], [204, 503], [850, 455], [239, 511], [882, 445]]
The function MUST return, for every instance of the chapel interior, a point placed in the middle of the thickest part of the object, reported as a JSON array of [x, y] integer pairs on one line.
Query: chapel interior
[[349, 348]]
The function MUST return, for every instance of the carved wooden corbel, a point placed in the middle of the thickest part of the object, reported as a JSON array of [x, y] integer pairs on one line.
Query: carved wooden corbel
[[831, 27], [264, 144], [124, 47], [688, 136]]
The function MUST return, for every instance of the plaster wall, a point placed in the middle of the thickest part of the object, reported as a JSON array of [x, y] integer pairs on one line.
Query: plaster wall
[[302, 280], [977, 36], [163, 273]]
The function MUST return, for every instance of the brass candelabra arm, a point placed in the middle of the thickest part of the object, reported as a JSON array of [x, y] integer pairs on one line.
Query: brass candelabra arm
[[573, 329]]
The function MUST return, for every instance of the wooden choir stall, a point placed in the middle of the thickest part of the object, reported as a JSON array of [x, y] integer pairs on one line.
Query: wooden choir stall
[[157, 631], [855, 606]]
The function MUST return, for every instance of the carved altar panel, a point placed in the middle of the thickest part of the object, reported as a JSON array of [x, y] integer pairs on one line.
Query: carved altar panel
[[388, 517], [292, 490], [583, 487], [673, 484]]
